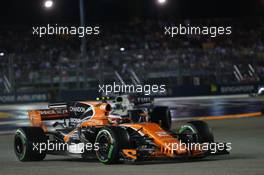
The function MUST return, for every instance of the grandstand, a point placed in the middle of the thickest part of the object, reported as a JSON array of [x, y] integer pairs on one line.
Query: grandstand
[[54, 62]]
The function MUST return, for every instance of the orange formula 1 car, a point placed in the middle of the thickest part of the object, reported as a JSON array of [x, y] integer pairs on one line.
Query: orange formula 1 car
[[92, 129]]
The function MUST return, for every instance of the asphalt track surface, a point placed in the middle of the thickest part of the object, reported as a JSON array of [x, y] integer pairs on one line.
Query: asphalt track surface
[[247, 155]]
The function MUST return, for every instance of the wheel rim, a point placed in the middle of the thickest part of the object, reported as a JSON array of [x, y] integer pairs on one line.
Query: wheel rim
[[190, 134], [105, 147], [20, 146]]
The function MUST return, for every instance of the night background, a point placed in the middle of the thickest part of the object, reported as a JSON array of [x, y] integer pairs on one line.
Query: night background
[[17, 12]]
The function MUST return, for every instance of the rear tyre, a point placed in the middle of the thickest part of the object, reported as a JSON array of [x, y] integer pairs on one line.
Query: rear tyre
[[162, 116], [111, 140], [26, 144], [196, 132]]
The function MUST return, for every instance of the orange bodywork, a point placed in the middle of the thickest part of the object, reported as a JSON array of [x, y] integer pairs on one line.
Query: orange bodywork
[[169, 146], [160, 137], [99, 118]]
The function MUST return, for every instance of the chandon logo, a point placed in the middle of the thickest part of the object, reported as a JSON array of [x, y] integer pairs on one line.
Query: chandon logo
[[77, 109]]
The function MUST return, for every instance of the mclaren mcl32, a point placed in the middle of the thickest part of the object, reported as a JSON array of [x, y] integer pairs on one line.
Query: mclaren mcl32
[[103, 130]]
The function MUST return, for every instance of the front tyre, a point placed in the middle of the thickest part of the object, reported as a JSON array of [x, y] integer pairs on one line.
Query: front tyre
[[26, 144], [111, 141], [196, 132]]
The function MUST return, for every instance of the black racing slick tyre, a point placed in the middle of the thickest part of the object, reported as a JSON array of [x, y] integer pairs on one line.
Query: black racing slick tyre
[[111, 140], [27, 142], [196, 132], [162, 116]]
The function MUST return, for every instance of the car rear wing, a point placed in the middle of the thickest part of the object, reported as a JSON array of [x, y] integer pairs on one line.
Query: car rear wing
[[57, 105], [36, 116]]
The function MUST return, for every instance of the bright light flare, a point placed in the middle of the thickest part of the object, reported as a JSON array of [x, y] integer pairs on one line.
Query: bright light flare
[[162, 1], [48, 4]]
